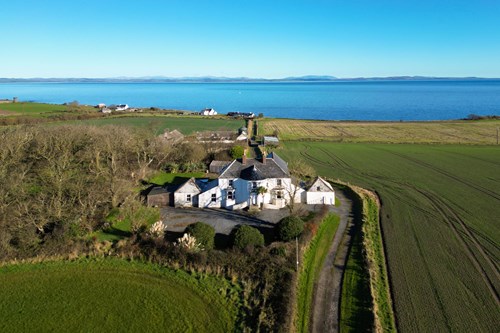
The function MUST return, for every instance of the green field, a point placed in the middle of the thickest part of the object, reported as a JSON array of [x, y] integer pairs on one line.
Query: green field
[[34, 109], [439, 216], [185, 124], [112, 296]]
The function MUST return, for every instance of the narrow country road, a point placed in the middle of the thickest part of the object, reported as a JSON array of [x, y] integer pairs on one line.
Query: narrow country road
[[326, 299]]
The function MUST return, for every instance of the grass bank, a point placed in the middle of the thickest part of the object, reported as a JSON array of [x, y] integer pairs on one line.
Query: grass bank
[[312, 262], [366, 300], [113, 295]]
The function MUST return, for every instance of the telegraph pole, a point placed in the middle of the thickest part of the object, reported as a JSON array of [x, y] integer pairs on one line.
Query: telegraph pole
[[297, 252], [497, 135]]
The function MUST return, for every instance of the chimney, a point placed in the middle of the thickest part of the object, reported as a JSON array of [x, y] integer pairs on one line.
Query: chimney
[[263, 152], [244, 157]]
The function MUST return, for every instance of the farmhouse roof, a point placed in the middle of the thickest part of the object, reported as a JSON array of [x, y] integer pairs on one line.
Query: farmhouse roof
[[190, 181], [254, 169]]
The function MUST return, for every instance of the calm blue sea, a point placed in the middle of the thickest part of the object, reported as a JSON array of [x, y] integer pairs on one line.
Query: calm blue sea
[[394, 100]]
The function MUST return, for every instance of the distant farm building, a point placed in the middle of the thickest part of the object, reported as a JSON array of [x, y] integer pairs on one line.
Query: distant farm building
[[241, 114], [172, 136], [270, 141]]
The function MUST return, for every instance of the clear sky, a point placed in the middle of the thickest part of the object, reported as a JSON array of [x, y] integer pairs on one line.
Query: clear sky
[[254, 38]]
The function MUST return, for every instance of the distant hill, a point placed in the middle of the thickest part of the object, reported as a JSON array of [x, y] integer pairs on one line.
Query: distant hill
[[216, 79]]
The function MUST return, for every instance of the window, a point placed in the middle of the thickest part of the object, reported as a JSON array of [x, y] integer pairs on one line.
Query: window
[[214, 197], [254, 185], [278, 182], [230, 195], [231, 183], [318, 188], [188, 198], [279, 195]]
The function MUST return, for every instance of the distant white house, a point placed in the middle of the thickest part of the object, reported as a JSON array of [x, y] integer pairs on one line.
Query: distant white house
[[264, 183], [122, 107], [106, 110], [208, 112]]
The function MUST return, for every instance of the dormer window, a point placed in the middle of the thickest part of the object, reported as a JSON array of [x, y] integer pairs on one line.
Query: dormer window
[[254, 185], [278, 182]]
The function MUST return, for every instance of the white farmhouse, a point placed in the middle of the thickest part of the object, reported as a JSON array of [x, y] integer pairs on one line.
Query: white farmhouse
[[208, 112], [264, 183]]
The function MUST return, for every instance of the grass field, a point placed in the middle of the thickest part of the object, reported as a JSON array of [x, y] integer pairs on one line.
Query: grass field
[[312, 263], [112, 296], [185, 124], [458, 132], [34, 109], [439, 217]]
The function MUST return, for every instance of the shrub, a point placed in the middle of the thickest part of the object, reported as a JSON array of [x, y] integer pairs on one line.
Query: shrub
[[237, 152], [203, 233], [247, 236], [290, 227]]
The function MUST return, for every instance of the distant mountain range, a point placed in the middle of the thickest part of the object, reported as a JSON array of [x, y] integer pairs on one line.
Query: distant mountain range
[[221, 79]]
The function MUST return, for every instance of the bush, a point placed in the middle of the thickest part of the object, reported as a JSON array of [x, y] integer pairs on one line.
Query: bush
[[247, 236], [203, 233], [290, 227], [237, 152]]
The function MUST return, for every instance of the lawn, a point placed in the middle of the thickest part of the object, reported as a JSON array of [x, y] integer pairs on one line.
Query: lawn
[[313, 260], [113, 296], [163, 178], [439, 217]]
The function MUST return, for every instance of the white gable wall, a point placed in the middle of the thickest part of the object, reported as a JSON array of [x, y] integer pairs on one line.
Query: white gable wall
[[320, 198], [181, 195]]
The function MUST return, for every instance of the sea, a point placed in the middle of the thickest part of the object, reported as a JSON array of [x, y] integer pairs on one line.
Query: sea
[[340, 100]]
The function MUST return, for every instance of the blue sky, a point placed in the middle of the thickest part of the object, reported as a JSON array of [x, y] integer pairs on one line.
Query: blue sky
[[255, 38]]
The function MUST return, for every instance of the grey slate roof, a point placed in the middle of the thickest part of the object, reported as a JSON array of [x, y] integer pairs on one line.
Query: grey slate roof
[[254, 169]]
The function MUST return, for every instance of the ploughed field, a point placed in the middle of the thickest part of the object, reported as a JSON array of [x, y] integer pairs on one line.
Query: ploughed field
[[112, 295], [458, 131], [440, 221]]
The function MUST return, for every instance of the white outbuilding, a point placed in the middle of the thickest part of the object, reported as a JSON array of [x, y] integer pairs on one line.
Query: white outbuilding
[[320, 193]]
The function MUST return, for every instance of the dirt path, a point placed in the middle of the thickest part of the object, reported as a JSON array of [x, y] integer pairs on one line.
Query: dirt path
[[326, 302]]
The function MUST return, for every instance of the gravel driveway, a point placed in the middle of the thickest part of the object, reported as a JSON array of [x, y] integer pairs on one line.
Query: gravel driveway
[[223, 221]]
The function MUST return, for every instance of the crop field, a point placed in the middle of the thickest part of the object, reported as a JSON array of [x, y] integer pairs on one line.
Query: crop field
[[457, 132], [186, 125], [440, 221], [112, 296]]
